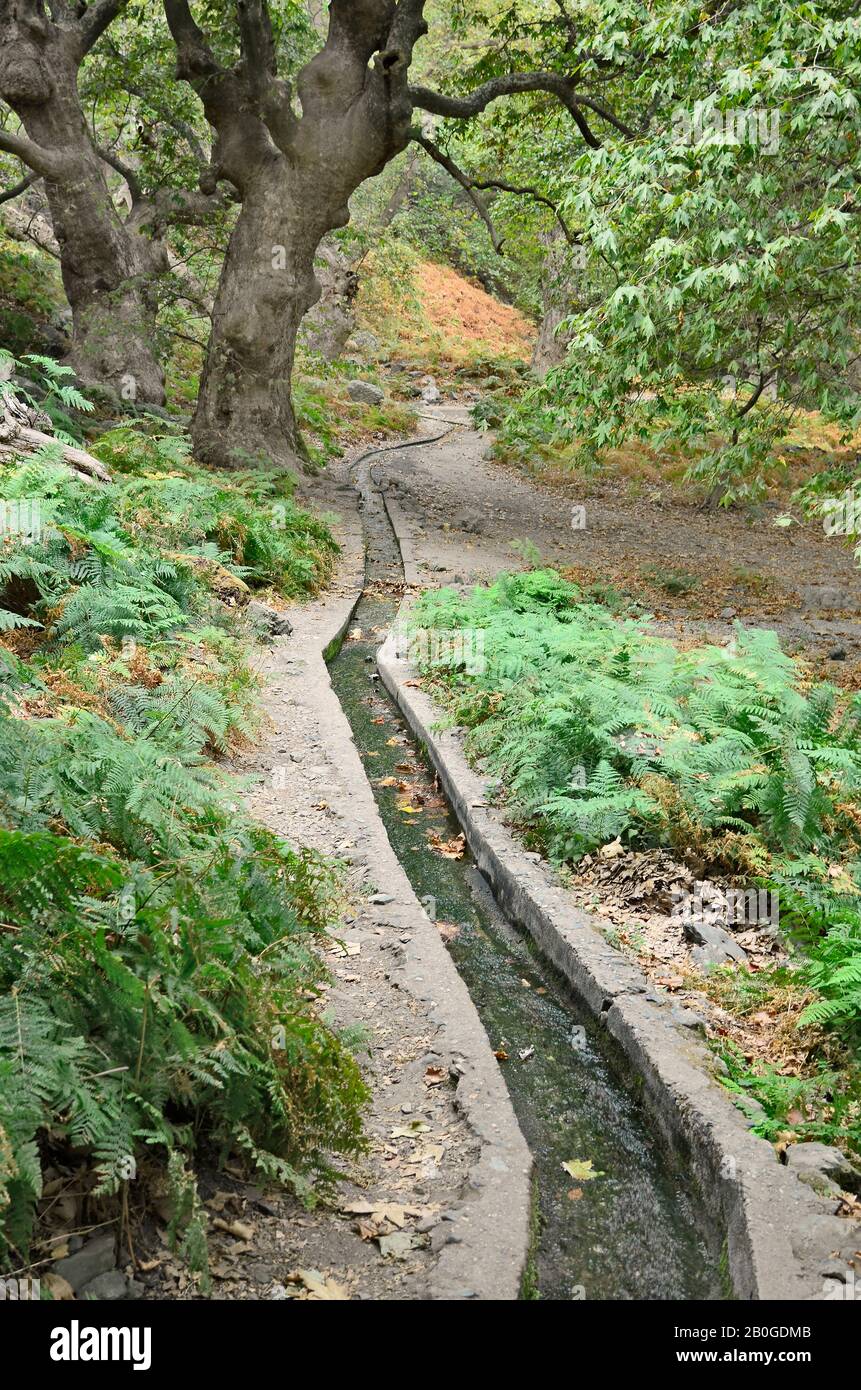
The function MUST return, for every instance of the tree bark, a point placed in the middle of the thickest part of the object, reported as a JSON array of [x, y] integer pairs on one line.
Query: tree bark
[[558, 294], [330, 323], [295, 177], [108, 268], [245, 411]]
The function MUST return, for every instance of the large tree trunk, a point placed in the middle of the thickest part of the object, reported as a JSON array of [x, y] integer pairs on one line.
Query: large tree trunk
[[108, 268], [295, 177], [245, 411]]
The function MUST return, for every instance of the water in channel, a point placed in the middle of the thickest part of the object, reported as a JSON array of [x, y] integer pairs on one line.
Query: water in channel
[[621, 1221]]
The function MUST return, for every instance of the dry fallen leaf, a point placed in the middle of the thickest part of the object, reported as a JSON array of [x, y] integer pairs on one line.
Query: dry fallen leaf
[[240, 1229], [449, 931], [581, 1170], [392, 1212], [449, 849], [318, 1287], [407, 1131], [434, 1076], [59, 1288]]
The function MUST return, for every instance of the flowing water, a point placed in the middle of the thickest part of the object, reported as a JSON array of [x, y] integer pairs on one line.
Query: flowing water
[[621, 1221]]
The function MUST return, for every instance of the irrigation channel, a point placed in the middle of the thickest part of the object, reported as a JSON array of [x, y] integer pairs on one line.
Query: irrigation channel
[[635, 1230]]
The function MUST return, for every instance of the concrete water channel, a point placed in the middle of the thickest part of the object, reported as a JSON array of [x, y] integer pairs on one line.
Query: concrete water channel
[[622, 1220]]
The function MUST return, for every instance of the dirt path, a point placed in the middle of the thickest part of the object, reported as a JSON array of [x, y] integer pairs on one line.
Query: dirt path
[[439, 1206], [465, 511]]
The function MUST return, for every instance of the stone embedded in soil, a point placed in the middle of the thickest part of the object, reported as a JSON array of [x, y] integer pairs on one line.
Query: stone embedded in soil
[[826, 596], [823, 1160], [365, 392], [109, 1287], [275, 623], [93, 1259], [430, 392], [714, 945]]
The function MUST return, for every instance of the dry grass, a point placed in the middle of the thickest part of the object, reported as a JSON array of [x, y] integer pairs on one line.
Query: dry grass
[[464, 319], [435, 318]]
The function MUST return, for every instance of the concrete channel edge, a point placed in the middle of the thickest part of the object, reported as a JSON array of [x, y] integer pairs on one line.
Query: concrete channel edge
[[778, 1235]]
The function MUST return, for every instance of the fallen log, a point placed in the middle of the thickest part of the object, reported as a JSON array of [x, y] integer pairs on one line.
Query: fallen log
[[19, 435]]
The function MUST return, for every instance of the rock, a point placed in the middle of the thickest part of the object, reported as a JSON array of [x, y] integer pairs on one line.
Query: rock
[[440, 1237], [686, 1018], [364, 342], [94, 1258], [715, 946], [365, 392], [826, 596], [229, 588], [430, 392], [273, 622], [474, 523], [727, 612], [837, 654], [752, 1110], [109, 1287], [824, 1161], [822, 1239]]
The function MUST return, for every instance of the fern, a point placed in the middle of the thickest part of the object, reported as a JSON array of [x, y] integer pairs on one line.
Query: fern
[[153, 939], [728, 750]]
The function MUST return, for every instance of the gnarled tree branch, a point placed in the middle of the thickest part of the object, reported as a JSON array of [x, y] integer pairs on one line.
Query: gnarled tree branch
[[110, 157], [18, 188], [466, 184], [525, 191], [45, 162], [95, 20], [514, 84]]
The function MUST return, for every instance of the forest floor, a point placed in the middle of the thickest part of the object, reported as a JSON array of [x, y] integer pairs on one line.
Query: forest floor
[[632, 532], [469, 516], [378, 1234], [694, 570]]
